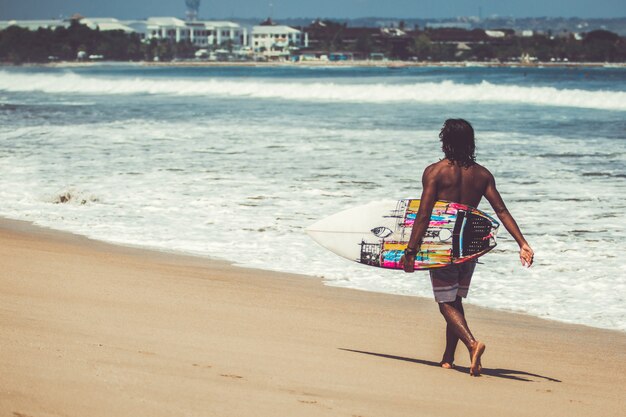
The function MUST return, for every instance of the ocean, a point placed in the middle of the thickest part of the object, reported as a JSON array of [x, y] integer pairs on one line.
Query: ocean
[[235, 162]]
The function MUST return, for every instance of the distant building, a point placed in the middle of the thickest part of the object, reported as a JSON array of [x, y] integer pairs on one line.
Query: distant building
[[139, 26], [500, 33], [199, 33], [170, 28], [224, 31], [495, 33], [320, 35], [99, 23], [275, 41], [35, 24], [448, 25], [106, 23], [343, 42]]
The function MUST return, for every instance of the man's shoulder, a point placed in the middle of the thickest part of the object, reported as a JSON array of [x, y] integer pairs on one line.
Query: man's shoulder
[[481, 170], [439, 166], [436, 165], [444, 163], [432, 169]]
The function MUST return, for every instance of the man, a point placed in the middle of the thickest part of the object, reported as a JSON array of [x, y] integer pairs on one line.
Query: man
[[458, 178]]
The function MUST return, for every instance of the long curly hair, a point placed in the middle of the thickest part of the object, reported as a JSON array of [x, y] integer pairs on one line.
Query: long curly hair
[[457, 142]]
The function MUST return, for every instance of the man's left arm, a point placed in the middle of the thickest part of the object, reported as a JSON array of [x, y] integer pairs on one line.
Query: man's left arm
[[422, 219]]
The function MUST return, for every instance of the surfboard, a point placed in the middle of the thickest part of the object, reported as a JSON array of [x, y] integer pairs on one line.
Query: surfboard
[[376, 234]]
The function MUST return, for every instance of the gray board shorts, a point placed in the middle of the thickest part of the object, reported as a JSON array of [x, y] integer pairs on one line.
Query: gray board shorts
[[452, 281]]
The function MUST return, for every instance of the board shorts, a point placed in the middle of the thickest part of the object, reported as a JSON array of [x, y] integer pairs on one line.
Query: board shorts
[[452, 281]]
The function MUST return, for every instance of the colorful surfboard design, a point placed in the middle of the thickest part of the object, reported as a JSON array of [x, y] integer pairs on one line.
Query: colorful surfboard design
[[377, 234]]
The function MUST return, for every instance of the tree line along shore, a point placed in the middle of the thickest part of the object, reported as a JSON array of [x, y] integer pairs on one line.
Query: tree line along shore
[[331, 41]]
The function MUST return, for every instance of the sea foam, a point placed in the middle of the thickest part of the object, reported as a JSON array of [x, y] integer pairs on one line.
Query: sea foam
[[445, 91], [220, 178]]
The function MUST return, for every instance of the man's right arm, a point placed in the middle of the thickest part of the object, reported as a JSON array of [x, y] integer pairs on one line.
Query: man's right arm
[[526, 254]]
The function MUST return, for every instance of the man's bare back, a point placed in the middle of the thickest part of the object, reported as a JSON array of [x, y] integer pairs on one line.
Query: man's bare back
[[459, 184]]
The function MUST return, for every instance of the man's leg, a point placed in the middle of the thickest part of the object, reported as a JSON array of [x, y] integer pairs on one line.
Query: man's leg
[[448, 355], [455, 319], [451, 340]]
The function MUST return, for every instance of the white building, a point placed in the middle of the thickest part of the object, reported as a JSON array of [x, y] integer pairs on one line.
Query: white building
[[106, 23], [225, 31], [217, 33], [495, 33], [199, 33], [275, 40], [170, 28], [99, 23], [139, 26], [35, 24]]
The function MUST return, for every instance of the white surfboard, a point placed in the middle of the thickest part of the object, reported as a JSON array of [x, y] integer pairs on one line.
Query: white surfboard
[[377, 233]]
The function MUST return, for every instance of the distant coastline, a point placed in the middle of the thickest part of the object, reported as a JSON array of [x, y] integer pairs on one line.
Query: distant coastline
[[356, 63], [395, 64], [170, 39]]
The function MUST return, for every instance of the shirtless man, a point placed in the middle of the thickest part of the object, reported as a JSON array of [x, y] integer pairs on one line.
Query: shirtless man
[[458, 178]]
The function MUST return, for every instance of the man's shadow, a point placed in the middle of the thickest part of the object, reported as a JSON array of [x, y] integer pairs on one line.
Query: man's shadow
[[495, 372]]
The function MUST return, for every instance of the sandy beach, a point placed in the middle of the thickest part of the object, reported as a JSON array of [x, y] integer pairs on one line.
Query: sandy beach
[[92, 329]]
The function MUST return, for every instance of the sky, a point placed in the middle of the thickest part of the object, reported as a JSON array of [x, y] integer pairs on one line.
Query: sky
[[129, 9]]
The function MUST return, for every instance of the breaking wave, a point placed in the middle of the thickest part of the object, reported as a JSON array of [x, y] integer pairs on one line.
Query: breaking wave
[[425, 92]]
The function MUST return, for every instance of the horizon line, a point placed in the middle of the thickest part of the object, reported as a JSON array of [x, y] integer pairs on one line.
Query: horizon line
[[455, 18]]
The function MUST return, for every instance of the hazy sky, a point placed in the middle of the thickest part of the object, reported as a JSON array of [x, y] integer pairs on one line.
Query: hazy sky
[[32, 9]]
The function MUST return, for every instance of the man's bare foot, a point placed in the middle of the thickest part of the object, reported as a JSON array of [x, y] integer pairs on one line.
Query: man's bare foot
[[475, 354], [447, 361]]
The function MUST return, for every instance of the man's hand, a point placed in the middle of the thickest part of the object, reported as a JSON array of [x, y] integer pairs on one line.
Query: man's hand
[[408, 263], [526, 255]]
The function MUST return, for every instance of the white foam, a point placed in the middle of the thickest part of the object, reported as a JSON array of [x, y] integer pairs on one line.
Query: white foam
[[419, 92], [208, 180], [190, 186]]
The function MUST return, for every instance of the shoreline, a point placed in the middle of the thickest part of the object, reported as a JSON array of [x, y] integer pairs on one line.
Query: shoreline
[[396, 64], [337, 64], [24, 226], [91, 328]]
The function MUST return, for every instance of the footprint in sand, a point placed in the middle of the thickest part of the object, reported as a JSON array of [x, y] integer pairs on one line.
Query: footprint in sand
[[197, 365], [314, 402], [231, 376]]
